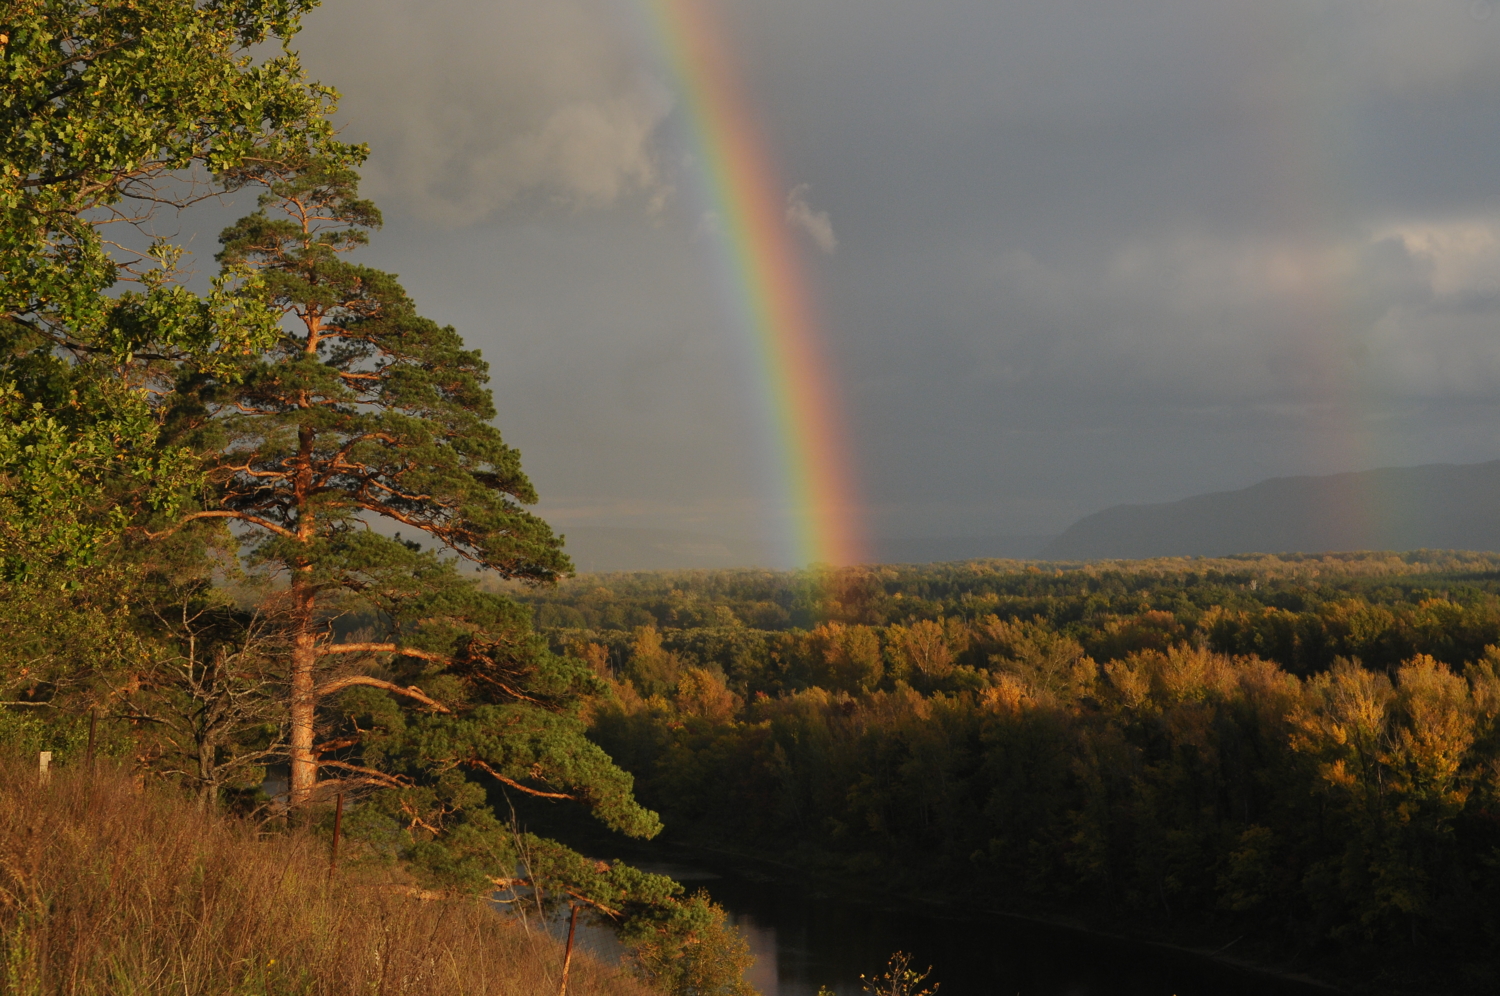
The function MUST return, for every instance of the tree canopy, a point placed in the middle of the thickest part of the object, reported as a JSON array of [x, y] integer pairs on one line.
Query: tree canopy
[[363, 411], [1297, 751], [112, 115]]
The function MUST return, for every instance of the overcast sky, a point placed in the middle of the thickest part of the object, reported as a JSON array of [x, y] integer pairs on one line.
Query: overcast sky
[[1071, 253]]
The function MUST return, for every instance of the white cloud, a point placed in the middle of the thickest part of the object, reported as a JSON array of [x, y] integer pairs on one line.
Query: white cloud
[[1461, 259], [472, 106], [816, 225]]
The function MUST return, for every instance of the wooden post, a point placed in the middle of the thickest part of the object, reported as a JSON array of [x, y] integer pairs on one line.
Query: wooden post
[[338, 825], [88, 758], [44, 767], [568, 955]]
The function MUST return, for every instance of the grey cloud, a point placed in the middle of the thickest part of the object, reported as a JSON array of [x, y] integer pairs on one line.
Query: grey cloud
[[1088, 252], [469, 107], [1408, 311]]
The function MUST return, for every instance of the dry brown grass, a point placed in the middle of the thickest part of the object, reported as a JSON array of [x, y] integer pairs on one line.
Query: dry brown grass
[[106, 890]]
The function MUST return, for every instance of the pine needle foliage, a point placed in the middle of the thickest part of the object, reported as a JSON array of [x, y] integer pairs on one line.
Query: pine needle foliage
[[440, 698]]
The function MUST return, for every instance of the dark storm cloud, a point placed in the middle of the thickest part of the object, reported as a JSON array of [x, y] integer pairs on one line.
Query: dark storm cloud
[[1087, 252]]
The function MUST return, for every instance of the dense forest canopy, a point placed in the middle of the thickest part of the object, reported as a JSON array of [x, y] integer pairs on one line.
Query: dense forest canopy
[[1298, 754], [1299, 610]]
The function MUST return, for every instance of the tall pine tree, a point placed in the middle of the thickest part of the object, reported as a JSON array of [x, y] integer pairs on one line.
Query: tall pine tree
[[365, 412]]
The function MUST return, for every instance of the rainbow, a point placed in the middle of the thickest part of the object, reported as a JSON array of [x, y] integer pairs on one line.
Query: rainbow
[[770, 296]]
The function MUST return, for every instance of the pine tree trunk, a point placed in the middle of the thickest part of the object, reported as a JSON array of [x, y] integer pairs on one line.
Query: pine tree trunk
[[304, 703], [304, 775]]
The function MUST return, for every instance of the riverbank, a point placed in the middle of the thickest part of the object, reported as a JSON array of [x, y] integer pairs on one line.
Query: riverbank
[[1121, 947], [1315, 972], [1309, 972]]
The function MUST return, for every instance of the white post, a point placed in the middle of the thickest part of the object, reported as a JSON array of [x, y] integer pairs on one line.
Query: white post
[[44, 767]]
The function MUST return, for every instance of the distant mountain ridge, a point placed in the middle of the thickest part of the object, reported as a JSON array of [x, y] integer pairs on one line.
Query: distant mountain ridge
[[1436, 506]]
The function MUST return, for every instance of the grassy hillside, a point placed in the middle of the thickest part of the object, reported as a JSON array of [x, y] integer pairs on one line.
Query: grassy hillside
[[107, 889]]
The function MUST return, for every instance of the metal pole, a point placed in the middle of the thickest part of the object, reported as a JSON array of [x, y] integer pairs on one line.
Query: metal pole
[[93, 726], [338, 824], [568, 956]]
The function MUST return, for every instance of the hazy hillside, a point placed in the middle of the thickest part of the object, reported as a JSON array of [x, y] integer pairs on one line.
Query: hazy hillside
[[1437, 506], [597, 549], [604, 548], [941, 549]]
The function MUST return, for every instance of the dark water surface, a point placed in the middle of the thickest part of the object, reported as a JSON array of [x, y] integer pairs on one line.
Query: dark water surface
[[803, 939]]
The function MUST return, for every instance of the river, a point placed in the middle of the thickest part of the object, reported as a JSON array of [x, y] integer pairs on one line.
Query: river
[[803, 939]]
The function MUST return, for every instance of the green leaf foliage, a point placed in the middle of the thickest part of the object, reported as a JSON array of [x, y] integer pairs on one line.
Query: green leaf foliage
[[109, 114], [688, 948]]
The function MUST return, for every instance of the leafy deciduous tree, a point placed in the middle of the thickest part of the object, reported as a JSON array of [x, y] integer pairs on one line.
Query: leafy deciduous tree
[[110, 112]]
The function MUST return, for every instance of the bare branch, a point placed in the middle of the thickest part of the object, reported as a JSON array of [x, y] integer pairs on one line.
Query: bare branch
[[475, 762], [596, 905], [383, 648], [242, 516], [412, 692], [371, 776]]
